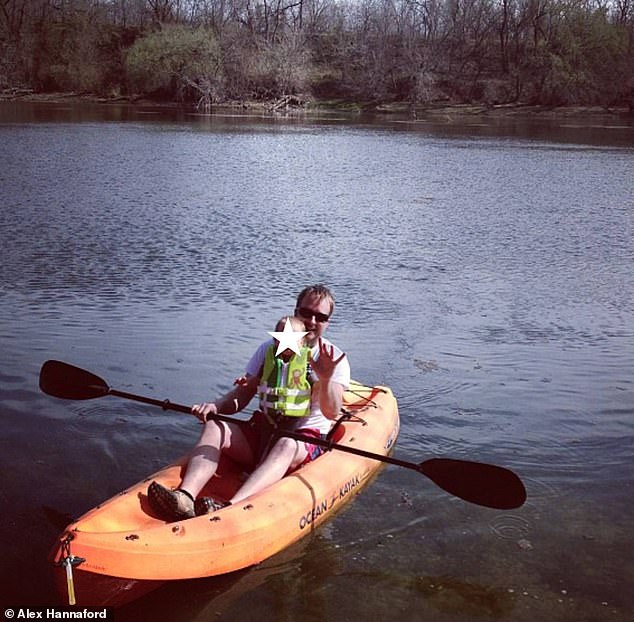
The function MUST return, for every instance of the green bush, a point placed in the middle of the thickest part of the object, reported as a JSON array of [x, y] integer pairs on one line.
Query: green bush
[[177, 62]]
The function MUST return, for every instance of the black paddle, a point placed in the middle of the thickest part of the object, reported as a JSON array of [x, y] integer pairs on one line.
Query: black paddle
[[483, 484]]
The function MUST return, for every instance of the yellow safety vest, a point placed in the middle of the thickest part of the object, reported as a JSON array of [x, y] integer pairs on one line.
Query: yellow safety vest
[[289, 395]]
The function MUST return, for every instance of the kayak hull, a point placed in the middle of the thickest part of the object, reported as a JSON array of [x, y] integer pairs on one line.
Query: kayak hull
[[122, 549]]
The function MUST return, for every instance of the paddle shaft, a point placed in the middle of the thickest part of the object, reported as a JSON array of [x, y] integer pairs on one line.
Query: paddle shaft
[[167, 405], [329, 445], [326, 444], [483, 484], [69, 382]]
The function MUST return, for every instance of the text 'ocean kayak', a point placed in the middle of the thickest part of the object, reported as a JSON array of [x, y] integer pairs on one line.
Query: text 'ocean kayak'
[[121, 549]]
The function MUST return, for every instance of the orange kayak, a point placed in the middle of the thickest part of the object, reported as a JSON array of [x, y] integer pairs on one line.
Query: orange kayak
[[120, 550]]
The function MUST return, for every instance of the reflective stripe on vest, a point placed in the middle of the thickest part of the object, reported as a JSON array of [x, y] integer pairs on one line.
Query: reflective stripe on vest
[[289, 396]]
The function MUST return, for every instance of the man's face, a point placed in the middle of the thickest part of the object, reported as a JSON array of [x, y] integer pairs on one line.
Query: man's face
[[312, 310]]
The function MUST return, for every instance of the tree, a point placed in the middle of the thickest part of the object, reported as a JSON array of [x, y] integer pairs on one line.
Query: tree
[[177, 62]]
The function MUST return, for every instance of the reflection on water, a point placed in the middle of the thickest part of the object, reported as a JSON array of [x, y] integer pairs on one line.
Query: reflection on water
[[484, 273]]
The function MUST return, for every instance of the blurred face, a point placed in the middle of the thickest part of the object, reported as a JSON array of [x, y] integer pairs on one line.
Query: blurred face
[[315, 313], [297, 326]]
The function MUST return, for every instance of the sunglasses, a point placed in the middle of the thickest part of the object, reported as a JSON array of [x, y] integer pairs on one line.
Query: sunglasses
[[308, 313]]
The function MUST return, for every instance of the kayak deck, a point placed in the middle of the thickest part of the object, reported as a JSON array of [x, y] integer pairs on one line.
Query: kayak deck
[[122, 542]]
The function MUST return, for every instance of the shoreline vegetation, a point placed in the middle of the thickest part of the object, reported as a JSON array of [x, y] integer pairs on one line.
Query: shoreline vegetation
[[294, 105], [382, 56]]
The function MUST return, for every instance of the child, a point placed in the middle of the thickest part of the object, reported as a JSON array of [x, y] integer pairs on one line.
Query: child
[[284, 388]]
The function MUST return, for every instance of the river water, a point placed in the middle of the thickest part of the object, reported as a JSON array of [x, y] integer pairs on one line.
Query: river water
[[482, 270]]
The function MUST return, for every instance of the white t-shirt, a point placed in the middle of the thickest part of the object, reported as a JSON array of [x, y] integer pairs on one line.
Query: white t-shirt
[[341, 376]]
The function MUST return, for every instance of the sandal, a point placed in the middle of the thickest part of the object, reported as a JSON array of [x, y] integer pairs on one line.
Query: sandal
[[172, 504], [207, 505]]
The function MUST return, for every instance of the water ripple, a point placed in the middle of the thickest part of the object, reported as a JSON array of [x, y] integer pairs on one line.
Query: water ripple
[[510, 527]]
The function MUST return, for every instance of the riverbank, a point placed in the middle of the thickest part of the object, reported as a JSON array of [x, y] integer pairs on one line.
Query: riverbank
[[297, 105]]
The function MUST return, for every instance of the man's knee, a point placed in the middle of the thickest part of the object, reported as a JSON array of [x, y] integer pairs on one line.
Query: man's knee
[[286, 445], [290, 450], [213, 433]]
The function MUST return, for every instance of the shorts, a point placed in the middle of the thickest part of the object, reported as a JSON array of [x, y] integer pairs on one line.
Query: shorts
[[259, 436]]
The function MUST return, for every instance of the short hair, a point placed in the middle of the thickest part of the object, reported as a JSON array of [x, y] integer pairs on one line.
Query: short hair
[[321, 292], [296, 323]]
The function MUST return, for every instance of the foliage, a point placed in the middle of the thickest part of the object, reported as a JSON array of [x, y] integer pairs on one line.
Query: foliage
[[419, 51], [178, 62]]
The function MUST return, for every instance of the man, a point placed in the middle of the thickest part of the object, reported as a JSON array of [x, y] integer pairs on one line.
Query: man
[[330, 373]]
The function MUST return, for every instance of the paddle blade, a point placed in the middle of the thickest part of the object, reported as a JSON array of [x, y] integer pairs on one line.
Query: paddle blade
[[70, 383], [484, 484]]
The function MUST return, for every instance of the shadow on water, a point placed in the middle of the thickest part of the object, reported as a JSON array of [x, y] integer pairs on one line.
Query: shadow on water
[[57, 518], [200, 599], [301, 583]]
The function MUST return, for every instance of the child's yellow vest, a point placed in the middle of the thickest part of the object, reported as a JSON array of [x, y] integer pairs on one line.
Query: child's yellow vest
[[288, 396]]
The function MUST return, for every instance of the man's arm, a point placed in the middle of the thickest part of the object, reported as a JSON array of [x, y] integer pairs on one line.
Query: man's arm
[[239, 397], [330, 392], [230, 403], [330, 397]]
